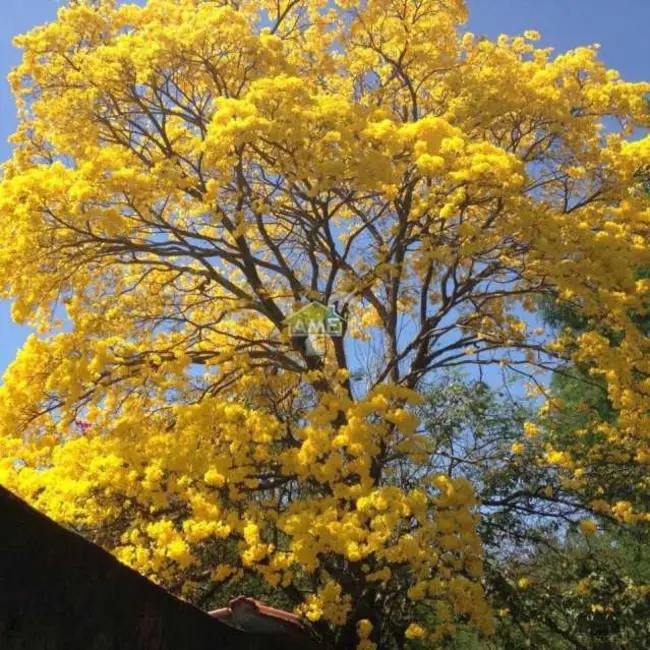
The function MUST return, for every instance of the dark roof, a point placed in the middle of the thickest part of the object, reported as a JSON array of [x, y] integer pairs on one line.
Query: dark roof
[[60, 591]]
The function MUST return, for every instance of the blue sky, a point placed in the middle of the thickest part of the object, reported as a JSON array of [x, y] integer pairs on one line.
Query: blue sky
[[620, 28]]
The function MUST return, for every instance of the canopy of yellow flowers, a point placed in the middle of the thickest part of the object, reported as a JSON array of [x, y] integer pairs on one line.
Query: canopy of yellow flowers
[[186, 172]]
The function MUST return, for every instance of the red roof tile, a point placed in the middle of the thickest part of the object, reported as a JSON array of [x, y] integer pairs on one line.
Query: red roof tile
[[250, 614]]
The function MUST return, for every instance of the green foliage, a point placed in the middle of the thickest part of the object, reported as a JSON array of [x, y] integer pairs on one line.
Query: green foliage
[[578, 592]]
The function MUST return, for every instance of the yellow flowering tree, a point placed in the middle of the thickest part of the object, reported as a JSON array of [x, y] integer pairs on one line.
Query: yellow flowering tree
[[187, 173]]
